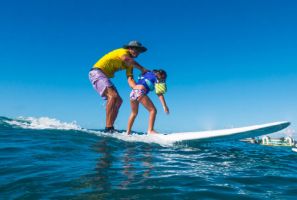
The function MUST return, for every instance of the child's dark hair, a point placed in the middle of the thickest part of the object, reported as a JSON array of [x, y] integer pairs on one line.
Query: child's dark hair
[[162, 73]]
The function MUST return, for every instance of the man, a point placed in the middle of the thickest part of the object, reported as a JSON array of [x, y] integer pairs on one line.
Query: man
[[103, 71]]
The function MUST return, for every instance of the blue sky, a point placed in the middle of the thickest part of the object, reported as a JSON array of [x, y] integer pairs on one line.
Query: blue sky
[[229, 63]]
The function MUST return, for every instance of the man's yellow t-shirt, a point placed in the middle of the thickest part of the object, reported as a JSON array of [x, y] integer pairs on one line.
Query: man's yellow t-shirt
[[111, 63]]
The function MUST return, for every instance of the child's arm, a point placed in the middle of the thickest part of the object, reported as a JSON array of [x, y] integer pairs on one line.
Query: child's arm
[[163, 102]]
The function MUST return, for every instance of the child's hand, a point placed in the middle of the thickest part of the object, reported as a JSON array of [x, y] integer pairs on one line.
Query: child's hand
[[166, 110]]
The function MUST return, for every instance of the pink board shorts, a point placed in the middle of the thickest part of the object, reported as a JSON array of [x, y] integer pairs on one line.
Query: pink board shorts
[[99, 81]]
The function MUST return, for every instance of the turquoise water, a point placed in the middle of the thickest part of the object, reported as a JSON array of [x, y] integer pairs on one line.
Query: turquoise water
[[48, 159]]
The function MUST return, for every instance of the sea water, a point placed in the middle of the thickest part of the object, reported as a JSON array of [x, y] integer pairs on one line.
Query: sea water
[[43, 158]]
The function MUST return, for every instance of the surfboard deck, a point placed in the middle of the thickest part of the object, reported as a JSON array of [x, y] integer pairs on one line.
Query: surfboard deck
[[225, 134]]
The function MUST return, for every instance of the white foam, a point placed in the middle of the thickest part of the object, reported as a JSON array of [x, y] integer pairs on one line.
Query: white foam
[[52, 123], [145, 138], [43, 123]]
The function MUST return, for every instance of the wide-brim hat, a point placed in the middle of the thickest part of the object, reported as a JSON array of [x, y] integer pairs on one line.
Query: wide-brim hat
[[135, 44]]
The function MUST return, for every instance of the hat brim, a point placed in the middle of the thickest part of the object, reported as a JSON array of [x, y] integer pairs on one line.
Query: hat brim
[[140, 49]]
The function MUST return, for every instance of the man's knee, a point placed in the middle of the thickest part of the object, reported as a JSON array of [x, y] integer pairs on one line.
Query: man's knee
[[119, 101], [112, 94], [115, 100]]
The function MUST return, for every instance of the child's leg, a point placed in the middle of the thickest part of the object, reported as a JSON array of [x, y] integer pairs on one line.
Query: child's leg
[[134, 110], [148, 104]]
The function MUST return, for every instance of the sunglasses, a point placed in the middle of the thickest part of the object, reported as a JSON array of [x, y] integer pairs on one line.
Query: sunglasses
[[137, 50]]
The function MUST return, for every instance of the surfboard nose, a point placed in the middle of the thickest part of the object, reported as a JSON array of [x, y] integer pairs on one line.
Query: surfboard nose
[[286, 124], [282, 125]]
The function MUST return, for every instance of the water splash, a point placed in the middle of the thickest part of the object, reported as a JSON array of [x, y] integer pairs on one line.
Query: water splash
[[43, 123], [144, 138]]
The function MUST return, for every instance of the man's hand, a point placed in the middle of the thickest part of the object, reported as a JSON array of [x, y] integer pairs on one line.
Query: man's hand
[[144, 70]]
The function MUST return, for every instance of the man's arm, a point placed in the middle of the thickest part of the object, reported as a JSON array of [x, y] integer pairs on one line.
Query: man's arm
[[131, 62], [131, 81]]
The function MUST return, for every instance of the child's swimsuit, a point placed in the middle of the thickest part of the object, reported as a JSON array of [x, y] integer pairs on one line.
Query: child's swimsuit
[[148, 80], [136, 94]]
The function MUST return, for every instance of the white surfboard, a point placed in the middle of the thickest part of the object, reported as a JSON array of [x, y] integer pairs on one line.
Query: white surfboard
[[224, 134]]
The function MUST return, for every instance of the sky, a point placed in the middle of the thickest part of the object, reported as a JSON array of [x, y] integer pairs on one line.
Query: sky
[[229, 63]]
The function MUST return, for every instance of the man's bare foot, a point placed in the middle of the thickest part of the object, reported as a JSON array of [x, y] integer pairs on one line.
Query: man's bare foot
[[152, 132]]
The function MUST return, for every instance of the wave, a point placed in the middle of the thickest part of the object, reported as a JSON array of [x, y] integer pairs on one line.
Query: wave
[[46, 123], [41, 123]]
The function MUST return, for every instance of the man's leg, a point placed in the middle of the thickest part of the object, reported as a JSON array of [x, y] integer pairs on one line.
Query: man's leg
[[117, 108], [107, 91], [113, 105]]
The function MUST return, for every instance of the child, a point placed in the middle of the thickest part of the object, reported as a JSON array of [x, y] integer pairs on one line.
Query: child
[[147, 82]]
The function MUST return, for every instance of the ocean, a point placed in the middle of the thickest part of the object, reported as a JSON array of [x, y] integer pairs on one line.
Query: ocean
[[44, 158]]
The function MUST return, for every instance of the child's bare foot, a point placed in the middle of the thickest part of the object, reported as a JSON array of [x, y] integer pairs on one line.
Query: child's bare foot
[[152, 132]]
